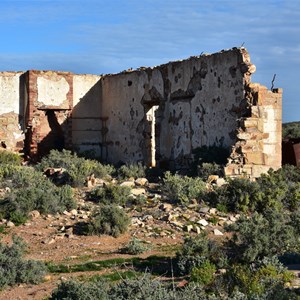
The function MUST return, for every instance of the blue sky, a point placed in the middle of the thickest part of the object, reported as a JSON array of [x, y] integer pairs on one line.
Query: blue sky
[[99, 36]]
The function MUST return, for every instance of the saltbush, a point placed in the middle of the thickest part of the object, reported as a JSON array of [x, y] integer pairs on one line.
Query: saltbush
[[133, 170], [14, 269], [135, 246], [10, 158], [260, 278], [182, 188], [108, 219], [142, 288], [78, 168], [204, 274], [261, 235], [238, 195], [30, 190], [74, 290], [206, 169], [196, 250], [111, 194]]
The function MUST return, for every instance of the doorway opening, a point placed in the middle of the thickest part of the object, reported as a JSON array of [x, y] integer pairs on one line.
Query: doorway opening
[[151, 136]]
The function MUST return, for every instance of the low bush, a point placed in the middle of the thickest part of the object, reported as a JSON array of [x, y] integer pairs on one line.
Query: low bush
[[260, 278], [140, 288], [135, 246], [30, 190], [182, 188], [206, 169], [204, 274], [74, 290], [239, 195], [78, 168], [262, 235], [10, 158], [270, 191], [196, 250], [133, 170], [108, 219], [14, 269], [111, 194]]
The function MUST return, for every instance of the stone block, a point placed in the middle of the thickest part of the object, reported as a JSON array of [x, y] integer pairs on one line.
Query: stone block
[[256, 158], [251, 122], [257, 170]]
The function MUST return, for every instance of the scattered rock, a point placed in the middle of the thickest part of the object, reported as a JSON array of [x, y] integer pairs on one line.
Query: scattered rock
[[138, 191], [74, 212], [189, 228], [34, 214], [10, 224], [204, 210], [218, 232], [166, 207], [48, 241], [220, 182], [128, 183], [141, 181], [213, 211], [203, 222]]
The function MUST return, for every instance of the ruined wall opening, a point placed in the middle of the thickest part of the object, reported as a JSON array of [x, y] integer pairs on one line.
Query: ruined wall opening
[[151, 136]]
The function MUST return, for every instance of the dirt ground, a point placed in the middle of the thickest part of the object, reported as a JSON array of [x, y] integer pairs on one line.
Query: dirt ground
[[45, 242]]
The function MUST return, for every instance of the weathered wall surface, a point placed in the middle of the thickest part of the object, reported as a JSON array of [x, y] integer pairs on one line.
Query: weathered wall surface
[[155, 115], [258, 146], [11, 114], [48, 114], [86, 113], [198, 102]]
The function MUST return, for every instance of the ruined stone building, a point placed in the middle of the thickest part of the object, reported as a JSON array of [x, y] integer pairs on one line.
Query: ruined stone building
[[155, 115]]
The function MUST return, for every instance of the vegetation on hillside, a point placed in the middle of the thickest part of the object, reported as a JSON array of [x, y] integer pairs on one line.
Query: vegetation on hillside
[[291, 130], [246, 265]]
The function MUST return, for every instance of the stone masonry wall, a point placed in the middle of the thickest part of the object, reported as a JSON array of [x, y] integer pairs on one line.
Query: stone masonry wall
[[11, 114], [258, 146], [48, 119], [198, 102], [154, 115]]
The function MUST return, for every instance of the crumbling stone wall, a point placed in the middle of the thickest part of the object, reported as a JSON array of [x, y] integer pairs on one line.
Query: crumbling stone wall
[[11, 114], [258, 146], [50, 102], [154, 115], [198, 102]]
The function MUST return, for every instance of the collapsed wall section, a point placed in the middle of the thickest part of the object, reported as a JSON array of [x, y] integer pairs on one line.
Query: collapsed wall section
[[11, 111], [259, 135], [50, 101]]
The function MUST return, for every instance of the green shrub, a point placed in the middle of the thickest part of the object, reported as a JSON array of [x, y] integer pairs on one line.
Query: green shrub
[[238, 195], [141, 288], [74, 290], [262, 277], [291, 130], [111, 194], [134, 170], [182, 188], [272, 190], [204, 274], [13, 269], [135, 246], [196, 250], [206, 169], [109, 219], [30, 190], [261, 235], [10, 158], [78, 168]]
